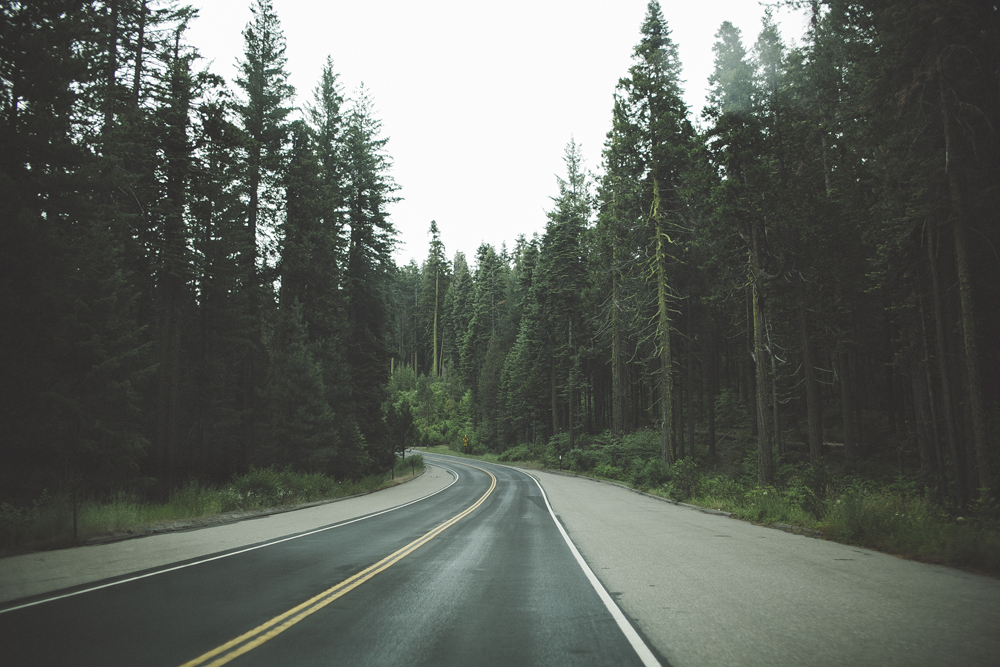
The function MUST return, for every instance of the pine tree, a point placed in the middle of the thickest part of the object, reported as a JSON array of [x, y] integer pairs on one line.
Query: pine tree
[[369, 189], [435, 280], [263, 114], [559, 284], [653, 116]]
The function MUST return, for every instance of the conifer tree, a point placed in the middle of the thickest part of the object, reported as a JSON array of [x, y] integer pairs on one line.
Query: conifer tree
[[263, 113], [369, 189], [433, 288], [653, 119]]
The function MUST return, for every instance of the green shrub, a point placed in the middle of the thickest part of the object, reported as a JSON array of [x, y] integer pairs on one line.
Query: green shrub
[[609, 472], [581, 460], [517, 453], [683, 477], [643, 445], [651, 474]]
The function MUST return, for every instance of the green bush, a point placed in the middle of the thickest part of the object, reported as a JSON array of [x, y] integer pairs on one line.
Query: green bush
[[517, 453], [609, 472], [683, 476], [581, 460], [643, 445], [650, 474]]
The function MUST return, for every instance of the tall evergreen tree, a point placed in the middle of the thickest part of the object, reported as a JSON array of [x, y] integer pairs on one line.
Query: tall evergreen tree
[[653, 112], [263, 113], [435, 280], [369, 190]]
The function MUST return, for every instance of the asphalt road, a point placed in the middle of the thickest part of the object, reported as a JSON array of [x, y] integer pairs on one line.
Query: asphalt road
[[478, 573], [493, 582]]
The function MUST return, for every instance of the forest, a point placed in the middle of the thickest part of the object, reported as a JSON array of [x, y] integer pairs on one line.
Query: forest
[[197, 280]]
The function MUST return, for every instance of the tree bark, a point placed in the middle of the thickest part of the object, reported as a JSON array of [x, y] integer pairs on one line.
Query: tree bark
[[690, 377], [961, 490], [663, 332], [618, 397], [846, 405], [765, 453], [436, 370], [935, 422], [713, 384], [814, 408], [968, 318]]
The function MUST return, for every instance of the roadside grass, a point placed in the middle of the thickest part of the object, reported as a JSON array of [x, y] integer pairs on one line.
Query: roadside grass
[[48, 522]]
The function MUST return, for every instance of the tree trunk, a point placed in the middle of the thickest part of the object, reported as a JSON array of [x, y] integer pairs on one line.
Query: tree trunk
[[765, 454], [846, 405], [617, 357], [814, 408], [554, 397], [681, 394], [779, 442], [690, 378], [968, 318], [957, 458], [436, 370], [921, 409], [663, 332], [751, 395], [713, 384], [935, 432]]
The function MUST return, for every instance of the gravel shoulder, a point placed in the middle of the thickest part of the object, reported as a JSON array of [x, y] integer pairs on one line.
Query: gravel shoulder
[[45, 571], [706, 589]]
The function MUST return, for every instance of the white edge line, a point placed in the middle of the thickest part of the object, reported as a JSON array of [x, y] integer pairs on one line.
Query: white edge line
[[645, 655], [231, 553]]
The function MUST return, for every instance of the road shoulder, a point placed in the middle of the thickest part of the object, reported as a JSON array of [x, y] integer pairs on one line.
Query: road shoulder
[[708, 589], [46, 571]]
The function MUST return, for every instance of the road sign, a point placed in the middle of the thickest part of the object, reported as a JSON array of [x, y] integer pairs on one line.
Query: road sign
[[465, 441]]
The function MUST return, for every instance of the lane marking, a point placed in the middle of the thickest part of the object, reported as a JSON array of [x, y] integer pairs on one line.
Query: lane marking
[[232, 553], [645, 655], [640, 647], [272, 628]]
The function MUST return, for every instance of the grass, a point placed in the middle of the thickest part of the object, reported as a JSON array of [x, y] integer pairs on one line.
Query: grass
[[48, 522]]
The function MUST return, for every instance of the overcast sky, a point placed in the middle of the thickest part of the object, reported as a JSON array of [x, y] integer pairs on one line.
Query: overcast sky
[[479, 99]]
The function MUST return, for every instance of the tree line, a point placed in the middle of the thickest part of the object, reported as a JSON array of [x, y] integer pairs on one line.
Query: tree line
[[818, 252], [196, 279], [193, 278]]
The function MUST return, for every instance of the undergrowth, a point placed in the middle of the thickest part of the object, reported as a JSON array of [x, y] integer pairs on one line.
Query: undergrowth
[[47, 523]]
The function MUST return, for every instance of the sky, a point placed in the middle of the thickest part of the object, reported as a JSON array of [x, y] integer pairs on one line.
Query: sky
[[479, 100]]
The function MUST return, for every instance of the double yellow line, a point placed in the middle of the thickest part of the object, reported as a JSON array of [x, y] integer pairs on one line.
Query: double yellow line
[[266, 631]]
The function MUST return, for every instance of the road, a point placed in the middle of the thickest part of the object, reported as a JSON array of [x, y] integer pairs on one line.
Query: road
[[483, 575], [478, 573]]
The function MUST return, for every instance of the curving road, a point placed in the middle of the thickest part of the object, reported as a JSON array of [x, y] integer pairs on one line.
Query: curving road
[[466, 565], [477, 573]]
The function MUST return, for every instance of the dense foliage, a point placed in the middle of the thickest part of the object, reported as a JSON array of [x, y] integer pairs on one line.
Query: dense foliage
[[192, 282], [812, 264], [196, 282]]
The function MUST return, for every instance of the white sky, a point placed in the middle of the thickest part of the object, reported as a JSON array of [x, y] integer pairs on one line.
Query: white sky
[[479, 99]]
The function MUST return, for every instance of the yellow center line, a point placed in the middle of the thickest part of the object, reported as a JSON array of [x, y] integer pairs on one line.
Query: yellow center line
[[262, 633]]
